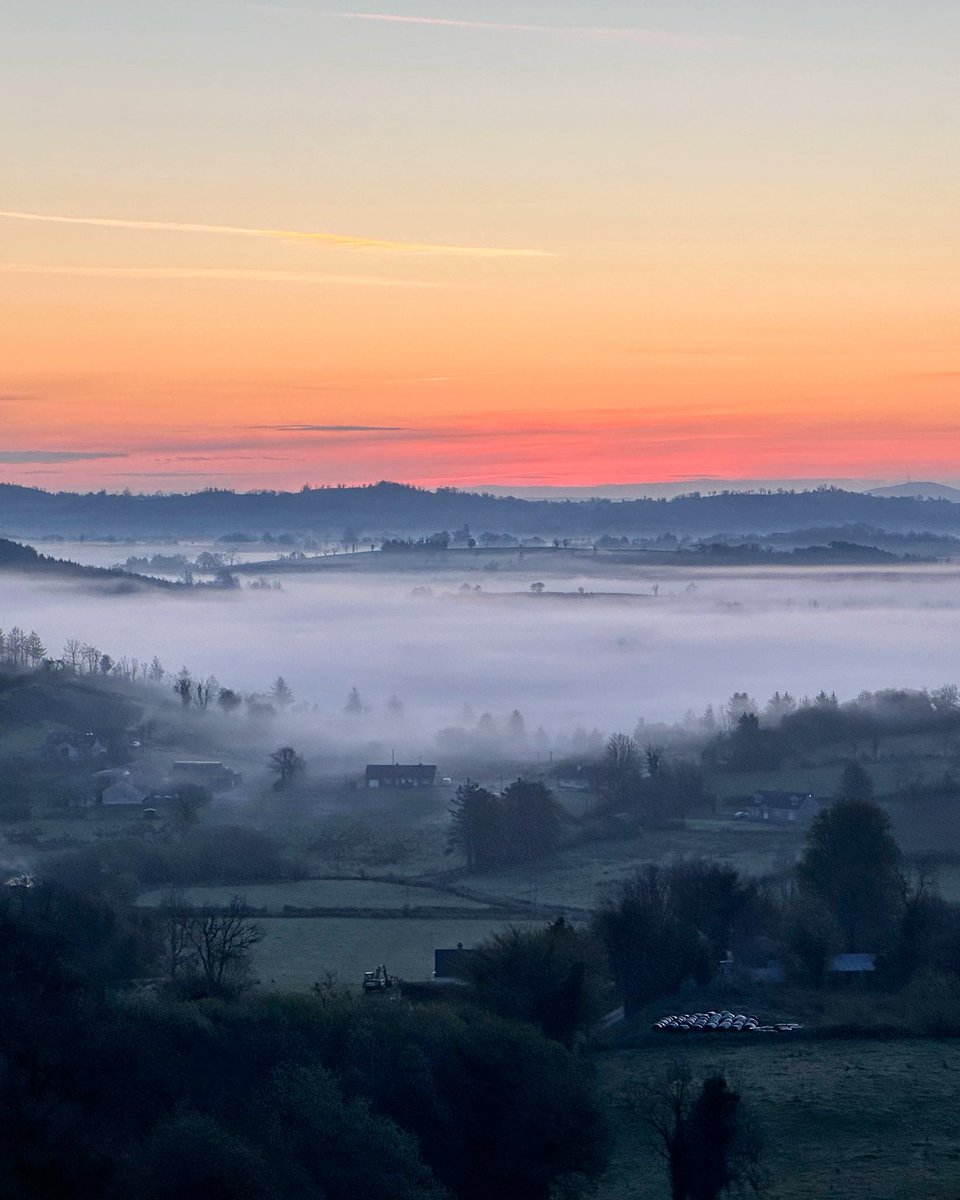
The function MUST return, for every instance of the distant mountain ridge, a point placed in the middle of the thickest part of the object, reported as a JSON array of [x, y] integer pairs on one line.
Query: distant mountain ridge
[[399, 509], [925, 491]]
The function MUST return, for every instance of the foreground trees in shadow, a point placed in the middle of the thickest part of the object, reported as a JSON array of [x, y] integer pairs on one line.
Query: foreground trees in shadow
[[106, 1095]]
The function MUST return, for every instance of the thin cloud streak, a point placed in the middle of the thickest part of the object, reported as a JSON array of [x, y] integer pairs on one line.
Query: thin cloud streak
[[650, 36], [55, 456], [230, 274], [333, 428], [337, 241]]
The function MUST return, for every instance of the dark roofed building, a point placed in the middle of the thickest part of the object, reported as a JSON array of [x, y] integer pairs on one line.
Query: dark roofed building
[[452, 964], [400, 775], [785, 808]]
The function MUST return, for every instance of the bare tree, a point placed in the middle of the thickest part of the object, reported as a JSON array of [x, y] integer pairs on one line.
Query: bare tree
[[183, 686], [206, 690], [175, 947], [91, 658], [71, 653], [222, 940], [287, 763], [211, 945]]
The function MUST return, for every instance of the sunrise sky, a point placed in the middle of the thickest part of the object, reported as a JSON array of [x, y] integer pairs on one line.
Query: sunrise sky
[[478, 241]]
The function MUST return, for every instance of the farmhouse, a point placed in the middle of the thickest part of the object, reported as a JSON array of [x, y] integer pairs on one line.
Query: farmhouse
[[400, 775], [71, 747], [785, 808]]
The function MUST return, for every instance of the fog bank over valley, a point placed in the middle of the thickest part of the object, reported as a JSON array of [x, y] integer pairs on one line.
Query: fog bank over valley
[[598, 650]]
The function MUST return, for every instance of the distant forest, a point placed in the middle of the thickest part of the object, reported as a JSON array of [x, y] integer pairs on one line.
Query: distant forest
[[392, 508]]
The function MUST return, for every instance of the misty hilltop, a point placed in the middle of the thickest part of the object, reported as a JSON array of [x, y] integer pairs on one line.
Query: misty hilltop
[[25, 560], [393, 508], [919, 491]]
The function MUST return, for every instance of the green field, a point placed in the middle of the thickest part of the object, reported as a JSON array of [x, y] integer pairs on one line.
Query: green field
[[319, 893], [577, 876], [296, 951], [850, 1120]]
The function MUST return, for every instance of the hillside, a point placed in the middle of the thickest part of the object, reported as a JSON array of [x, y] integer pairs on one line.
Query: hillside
[[25, 560], [399, 509], [925, 491]]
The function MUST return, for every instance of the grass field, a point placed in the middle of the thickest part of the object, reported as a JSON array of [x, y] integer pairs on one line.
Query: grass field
[[320, 893], [857, 1120], [577, 876], [296, 951], [901, 761]]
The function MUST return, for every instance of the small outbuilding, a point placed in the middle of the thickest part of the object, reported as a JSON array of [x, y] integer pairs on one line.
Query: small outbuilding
[[452, 965], [851, 970]]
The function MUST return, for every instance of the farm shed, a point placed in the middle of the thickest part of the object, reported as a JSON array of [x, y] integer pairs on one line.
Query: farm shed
[[847, 970]]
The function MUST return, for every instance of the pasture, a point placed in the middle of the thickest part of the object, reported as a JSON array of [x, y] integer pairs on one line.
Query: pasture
[[577, 876], [844, 1120], [273, 898], [297, 951]]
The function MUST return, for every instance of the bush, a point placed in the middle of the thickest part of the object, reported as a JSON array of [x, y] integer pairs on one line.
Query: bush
[[229, 854], [930, 1003]]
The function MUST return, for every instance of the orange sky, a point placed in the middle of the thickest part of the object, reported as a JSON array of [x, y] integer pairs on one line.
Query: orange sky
[[548, 254]]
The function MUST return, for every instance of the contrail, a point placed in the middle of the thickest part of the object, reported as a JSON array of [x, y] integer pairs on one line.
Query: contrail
[[240, 275], [653, 36], [337, 240]]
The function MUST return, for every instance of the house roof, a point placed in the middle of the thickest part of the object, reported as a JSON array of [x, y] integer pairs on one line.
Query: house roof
[[782, 799], [851, 964]]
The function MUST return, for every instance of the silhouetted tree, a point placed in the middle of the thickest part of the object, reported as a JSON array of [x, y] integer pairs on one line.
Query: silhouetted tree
[[649, 948], [183, 686], [855, 783], [618, 777], [477, 828], [229, 700], [208, 947], [287, 763], [852, 862], [707, 1140], [281, 693], [532, 819], [186, 804]]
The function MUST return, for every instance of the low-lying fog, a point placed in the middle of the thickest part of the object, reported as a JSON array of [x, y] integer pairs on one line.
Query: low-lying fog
[[563, 659]]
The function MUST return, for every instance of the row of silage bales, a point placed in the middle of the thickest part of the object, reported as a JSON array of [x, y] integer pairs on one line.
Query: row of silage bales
[[709, 1022]]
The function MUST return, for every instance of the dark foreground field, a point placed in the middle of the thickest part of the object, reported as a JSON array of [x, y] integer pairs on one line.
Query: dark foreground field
[[850, 1120]]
